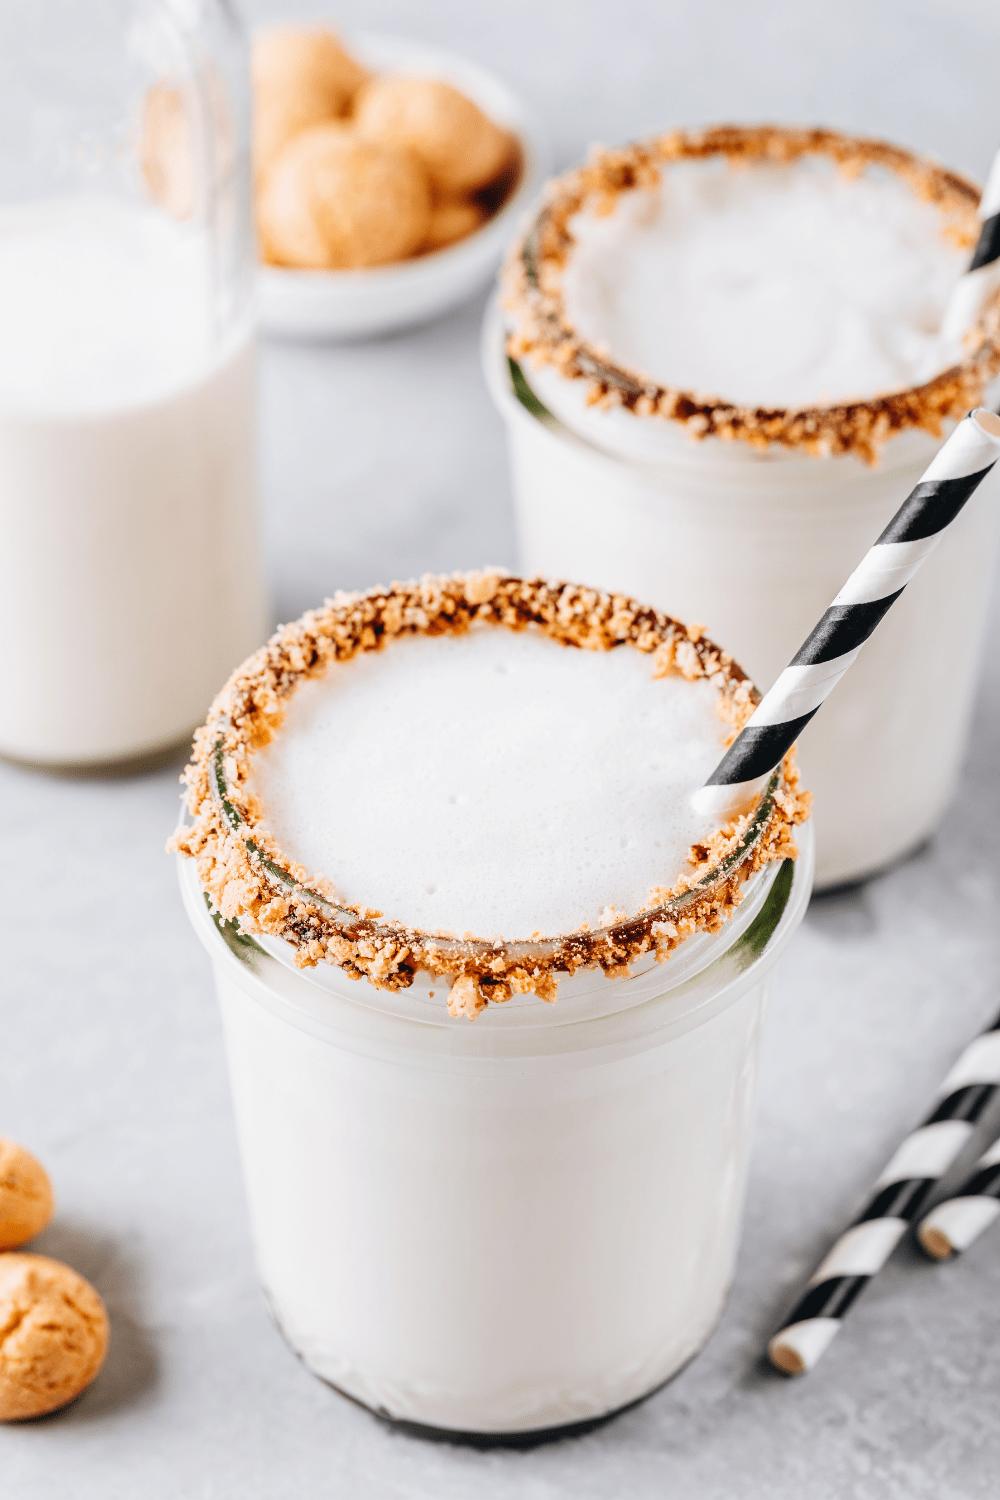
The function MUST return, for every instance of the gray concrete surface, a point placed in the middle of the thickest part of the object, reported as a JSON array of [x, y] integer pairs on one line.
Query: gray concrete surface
[[382, 460]]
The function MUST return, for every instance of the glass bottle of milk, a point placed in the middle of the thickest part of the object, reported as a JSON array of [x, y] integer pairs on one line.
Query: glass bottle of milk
[[130, 568]]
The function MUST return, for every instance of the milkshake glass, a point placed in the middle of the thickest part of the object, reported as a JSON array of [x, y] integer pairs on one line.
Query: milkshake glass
[[130, 568], [513, 1228], [750, 516]]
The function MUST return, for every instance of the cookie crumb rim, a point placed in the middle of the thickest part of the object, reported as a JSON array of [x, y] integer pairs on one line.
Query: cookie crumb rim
[[543, 334], [248, 878]]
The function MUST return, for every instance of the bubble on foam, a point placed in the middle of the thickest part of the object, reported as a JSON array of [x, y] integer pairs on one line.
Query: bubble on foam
[[778, 286], [494, 783]]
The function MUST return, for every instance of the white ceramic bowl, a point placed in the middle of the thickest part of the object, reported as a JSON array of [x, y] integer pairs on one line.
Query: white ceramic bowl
[[353, 304]]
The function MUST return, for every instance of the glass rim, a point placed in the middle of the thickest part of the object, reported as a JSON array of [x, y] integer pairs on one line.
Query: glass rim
[[857, 425], [250, 876]]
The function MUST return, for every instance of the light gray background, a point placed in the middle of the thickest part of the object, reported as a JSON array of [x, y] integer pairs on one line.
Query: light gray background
[[382, 460]]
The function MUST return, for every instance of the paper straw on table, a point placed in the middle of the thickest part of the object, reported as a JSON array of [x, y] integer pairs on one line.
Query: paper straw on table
[[953, 1224], [967, 298], [912, 534], [863, 1249]]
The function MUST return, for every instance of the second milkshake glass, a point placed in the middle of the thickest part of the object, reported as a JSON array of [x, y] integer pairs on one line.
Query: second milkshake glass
[[756, 544]]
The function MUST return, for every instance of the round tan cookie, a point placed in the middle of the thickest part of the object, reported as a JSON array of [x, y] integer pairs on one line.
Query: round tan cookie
[[300, 78], [165, 151], [461, 147], [453, 219], [331, 200], [53, 1335], [25, 1195]]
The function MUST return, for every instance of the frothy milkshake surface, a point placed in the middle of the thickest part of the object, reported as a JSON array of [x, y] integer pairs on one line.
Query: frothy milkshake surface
[[767, 285], [495, 783]]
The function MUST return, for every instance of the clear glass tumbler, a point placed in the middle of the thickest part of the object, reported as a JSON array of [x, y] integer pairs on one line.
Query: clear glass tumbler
[[130, 569]]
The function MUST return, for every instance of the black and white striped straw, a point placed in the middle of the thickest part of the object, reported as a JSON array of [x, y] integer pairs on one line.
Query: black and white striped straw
[[951, 1226], [898, 1196], [967, 298], [912, 534]]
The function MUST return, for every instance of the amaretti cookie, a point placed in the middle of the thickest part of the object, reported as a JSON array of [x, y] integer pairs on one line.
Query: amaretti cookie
[[53, 1335], [453, 219], [25, 1196], [300, 77], [165, 154], [461, 147], [333, 200]]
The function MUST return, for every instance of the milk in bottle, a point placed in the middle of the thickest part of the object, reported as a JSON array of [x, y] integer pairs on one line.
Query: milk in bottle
[[130, 567]]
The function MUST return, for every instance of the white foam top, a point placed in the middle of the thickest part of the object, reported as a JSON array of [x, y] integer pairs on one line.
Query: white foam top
[[100, 305], [495, 783], [768, 285]]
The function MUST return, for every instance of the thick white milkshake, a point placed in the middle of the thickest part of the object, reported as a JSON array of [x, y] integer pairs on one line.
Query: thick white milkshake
[[532, 1220], [582, 792], [776, 296], [779, 286]]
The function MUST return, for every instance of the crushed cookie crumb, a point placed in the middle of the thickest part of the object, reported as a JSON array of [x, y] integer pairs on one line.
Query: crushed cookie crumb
[[464, 998]]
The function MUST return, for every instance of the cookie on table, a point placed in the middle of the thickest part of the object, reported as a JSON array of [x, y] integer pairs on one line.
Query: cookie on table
[[333, 200], [25, 1196], [53, 1335], [461, 147]]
